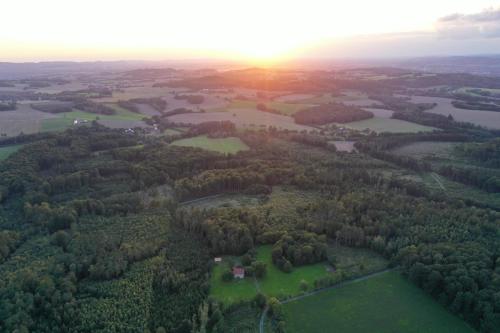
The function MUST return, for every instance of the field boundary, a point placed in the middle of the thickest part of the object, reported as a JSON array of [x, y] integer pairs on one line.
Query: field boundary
[[317, 291]]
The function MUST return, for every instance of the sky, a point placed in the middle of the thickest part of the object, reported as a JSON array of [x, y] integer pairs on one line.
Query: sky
[[253, 30]]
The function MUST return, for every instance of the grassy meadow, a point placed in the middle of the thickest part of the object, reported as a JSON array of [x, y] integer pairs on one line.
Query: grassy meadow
[[350, 262], [6, 151], [383, 303], [380, 125], [222, 145]]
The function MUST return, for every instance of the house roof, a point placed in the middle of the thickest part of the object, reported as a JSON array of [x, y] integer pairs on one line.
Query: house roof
[[238, 270]]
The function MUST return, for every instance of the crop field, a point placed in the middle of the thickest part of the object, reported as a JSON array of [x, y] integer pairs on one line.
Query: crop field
[[426, 150], [383, 303], [23, 120], [380, 125], [350, 97], [243, 118], [350, 262], [8, 150], [229, 145], [282, 107], [489, 119]]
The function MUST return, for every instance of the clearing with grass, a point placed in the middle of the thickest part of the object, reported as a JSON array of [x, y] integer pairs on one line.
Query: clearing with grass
[[381, 125], [383, 303], [6, 151], [229, 145], [350, 262]]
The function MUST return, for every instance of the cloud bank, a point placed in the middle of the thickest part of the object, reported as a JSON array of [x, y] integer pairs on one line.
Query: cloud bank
[[485, 24]]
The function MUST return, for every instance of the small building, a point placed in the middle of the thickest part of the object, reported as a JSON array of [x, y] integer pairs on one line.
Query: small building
[[238, 272], [217, 259]]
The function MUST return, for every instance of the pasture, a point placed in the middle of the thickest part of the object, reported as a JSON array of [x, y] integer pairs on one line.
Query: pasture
[[229, 145], [383, 303], [381, 125], [489, 119], [6, 151]]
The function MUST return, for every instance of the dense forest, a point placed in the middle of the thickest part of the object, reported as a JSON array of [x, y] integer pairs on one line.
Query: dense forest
[[97, 237]]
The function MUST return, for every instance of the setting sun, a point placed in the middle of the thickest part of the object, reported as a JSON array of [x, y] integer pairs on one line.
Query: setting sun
[[258, 30]]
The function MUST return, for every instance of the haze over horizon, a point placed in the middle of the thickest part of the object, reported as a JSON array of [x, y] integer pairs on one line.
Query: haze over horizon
[[259, 32]]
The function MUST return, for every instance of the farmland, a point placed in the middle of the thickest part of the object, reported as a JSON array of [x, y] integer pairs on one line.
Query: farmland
[[384, 303], [242, 118], [381, 125], [222, 145], [489, 119], [426, 150]]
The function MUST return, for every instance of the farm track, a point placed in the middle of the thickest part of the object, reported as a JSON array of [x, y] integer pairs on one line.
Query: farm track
[[438, 181], [199, 199], [336, 286]]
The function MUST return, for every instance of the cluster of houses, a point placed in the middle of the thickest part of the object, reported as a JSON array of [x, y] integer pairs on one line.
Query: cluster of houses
[[238, 271]]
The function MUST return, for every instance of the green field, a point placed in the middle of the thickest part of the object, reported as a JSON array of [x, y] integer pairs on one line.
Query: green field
[[427, 150], [380, 125], [280, 284], [383, 303], [8, 150], [229, 145], [65, 119]]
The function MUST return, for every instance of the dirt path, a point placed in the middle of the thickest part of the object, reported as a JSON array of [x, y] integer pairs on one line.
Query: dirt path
[[199, 199], [436, 178], [339, 285]]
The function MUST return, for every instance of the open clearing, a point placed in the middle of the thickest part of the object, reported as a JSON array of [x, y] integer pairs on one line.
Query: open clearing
[[380, 113], [380, 125], [243, 118], [383, 303], [229, 145], [426, 150], [8, 150], [347, 146], [489, 119], [350, 262]]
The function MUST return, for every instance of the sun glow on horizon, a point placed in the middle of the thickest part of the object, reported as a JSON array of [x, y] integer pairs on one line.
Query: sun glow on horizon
[[259, 31]]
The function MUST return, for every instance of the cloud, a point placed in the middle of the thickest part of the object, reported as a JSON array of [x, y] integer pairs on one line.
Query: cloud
[[485, 24]]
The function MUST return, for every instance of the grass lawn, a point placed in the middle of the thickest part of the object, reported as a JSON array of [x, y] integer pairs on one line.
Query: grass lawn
[[388, 125], [8, 150], [280, 284], [222, 145], [384, 303]]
